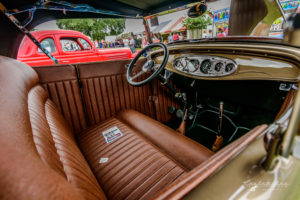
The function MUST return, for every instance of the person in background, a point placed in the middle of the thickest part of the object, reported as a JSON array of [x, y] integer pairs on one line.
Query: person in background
[[222, 33], [170, 38], [100, 43], [111, 44], [104, 44], [126, 42], [117, 44], [160, 37], [155, 39], [175, 37], [136, 45], [96, 43], [181, 36], [121, 43], [144, 44], [144, 41], [131, 44], [210, 33]]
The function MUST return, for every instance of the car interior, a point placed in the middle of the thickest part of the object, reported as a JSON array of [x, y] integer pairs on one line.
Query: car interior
[[135, 129]]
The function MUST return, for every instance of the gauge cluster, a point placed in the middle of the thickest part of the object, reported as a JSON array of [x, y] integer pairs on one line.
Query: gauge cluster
[[205, 66]]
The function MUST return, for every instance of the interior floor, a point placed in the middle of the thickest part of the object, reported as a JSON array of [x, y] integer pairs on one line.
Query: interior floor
[[246, 104]]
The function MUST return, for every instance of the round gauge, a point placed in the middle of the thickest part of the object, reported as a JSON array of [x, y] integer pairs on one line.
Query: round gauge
[[205, 66], [180, 64], [192, 65], [184, 64], [177, 64], [218, 66], [229, 67]]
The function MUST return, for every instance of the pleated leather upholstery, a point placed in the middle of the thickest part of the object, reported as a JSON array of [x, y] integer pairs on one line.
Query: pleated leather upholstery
[[106, 91], [135, 169], [62, 86], [56, 146], [40, 159], [141, 163]]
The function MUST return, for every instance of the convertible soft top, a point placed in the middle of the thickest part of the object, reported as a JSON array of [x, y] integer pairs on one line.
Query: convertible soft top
[[126, 8], [45, 10]]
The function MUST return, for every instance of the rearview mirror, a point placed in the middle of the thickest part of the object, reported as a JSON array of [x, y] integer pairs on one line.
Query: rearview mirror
[[197, 10]]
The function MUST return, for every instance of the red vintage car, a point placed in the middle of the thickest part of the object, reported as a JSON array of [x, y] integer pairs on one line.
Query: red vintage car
[[68, 47]]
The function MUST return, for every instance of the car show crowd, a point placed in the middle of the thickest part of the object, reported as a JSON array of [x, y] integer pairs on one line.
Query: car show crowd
[[138, 41]]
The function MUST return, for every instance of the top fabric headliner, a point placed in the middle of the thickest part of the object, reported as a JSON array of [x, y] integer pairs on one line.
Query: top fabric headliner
[[129, 8]]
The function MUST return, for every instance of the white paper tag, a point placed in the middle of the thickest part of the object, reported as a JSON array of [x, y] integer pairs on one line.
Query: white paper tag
[[103, 160], [111, 134]]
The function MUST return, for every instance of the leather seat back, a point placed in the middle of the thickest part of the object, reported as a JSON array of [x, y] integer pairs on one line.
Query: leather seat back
[[63, 88], [36, 137]]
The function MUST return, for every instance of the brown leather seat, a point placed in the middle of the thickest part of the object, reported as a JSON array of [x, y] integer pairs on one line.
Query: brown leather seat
[[40, 159], [148, 157]]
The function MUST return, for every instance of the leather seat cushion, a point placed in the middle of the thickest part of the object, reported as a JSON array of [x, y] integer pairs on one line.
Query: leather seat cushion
[[143, 161]]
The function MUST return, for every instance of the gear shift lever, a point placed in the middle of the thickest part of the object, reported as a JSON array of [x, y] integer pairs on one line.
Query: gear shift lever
[[219, 139], [181, 128]]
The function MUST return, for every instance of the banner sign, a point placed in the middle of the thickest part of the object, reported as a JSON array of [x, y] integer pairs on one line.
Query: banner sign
[[221, 15], [288, 5]]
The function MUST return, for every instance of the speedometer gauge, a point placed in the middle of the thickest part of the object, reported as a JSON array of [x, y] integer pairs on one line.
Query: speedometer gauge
[[180, 64], [218, 66], [192, 65], [205, 66]]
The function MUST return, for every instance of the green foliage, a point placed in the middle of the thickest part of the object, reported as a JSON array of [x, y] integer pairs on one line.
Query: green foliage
[[97, 29], [197, 23]]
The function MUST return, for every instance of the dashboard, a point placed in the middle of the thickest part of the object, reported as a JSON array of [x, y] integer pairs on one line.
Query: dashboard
[[205, 66], [232, 60], [220, 66]]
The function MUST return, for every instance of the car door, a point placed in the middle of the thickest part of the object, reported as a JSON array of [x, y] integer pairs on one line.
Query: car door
[[33, 56], [76, 49]]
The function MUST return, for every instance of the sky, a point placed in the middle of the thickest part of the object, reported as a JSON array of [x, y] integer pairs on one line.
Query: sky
[[50, 25]]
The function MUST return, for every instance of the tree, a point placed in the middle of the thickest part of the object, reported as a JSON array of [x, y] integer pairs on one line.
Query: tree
[[97, 29], [197, 23]]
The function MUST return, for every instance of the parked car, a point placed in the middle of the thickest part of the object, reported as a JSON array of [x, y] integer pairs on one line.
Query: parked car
[[68, 47], [207, 118]]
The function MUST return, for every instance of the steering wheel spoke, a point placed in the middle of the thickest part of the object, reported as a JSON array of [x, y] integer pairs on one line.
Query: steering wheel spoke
[[156, 66], [148, 54], [140, 73], [149, 66]]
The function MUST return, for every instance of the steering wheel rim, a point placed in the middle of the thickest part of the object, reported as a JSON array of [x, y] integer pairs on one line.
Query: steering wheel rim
[[149, 60]]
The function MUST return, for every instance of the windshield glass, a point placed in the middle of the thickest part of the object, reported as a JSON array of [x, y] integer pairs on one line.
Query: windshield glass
[[223, 19]]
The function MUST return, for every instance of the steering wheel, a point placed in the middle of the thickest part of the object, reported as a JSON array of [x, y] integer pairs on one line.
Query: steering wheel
[[149, 67]]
